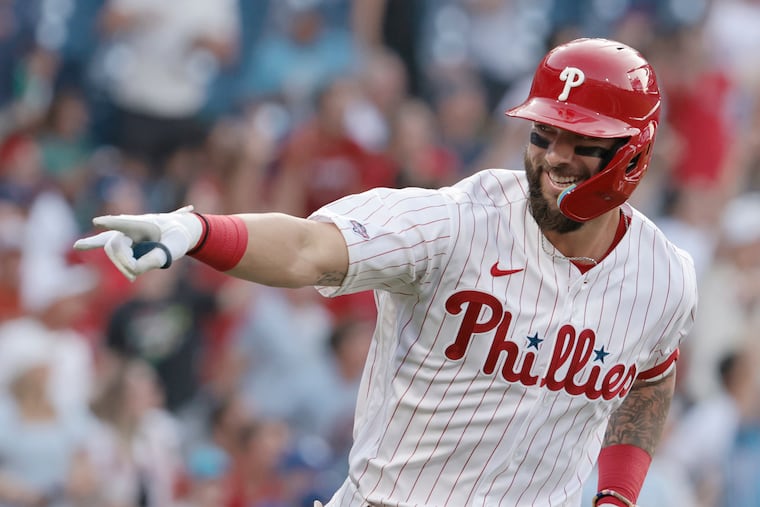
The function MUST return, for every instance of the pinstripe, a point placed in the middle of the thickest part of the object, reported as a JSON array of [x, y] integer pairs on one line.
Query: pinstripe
[[430, 385], [470, 419], [501, 439], [380, 474], [554, 465], [451, 416]]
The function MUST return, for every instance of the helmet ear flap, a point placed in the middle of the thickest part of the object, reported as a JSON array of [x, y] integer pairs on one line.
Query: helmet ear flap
[[614, 183], [603, 191]]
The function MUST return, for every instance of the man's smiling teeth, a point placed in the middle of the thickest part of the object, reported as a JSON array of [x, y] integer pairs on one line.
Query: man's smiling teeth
[[563, 181]]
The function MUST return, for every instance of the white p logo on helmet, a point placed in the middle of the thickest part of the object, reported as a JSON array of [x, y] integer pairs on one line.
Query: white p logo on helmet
[[573, 77]]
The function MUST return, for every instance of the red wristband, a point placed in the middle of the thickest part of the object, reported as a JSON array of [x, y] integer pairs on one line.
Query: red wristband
[[622, 468], [223, 242]]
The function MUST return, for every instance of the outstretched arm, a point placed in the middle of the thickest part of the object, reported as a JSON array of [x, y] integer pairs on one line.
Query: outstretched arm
[[268, 248], [633, 432], [286, 251]]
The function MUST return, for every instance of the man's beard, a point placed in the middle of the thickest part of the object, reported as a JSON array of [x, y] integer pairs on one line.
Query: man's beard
[[548, 218]]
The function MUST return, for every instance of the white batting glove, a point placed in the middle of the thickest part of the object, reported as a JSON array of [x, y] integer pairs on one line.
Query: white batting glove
[[139, 243]]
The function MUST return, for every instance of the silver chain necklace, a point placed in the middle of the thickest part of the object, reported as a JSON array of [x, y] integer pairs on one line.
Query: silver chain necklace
[[555, 255], [587, 260]]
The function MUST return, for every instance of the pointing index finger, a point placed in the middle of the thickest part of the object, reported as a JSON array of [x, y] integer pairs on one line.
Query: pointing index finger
[[96, 241], [136, 228]]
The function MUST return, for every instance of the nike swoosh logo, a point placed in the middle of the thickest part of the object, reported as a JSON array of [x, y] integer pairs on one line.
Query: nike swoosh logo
[[495, 271]]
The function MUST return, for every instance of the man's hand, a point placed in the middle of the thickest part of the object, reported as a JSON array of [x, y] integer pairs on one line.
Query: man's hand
[[138, 243]]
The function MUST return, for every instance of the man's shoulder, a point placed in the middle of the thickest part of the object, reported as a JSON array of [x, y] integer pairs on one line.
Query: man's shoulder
[[497, 187], [650, 228], [678, 259]]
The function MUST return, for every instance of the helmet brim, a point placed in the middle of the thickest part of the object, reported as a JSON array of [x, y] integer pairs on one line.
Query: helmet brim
[[571, 117]]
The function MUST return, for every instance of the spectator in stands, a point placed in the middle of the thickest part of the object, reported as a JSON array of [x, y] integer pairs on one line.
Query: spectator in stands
[[463, 117], [45, 457], [163, 324], [743, 467], [701, 441], [278, 350], [255, 476], [321, 162], [333, 395], [207, 469], [11, 232], [55, 301], [729, 296], [167, 57], [294, 63], [383, 85], [64, 140], [417, 149], [140, 439]]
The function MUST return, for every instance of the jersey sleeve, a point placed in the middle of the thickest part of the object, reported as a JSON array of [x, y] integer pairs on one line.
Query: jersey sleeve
[[396, 238], [662, 360]]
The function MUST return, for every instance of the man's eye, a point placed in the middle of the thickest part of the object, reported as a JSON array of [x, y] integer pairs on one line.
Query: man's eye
[[537, 139], [592, 151]]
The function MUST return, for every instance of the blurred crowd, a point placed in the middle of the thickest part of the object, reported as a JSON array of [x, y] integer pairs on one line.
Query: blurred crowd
[[191, 389]]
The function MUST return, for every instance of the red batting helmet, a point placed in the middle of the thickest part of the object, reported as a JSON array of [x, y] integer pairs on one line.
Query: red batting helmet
[[598, 88]]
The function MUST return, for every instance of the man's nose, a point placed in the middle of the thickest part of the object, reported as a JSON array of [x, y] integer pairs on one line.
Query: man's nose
[[559, 152]]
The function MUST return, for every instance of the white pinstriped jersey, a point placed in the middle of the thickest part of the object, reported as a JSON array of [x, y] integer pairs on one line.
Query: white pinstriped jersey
[[492, 386]]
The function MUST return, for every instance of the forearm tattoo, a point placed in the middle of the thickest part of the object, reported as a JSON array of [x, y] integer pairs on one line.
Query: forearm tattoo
[[640, 420], [331, 279]]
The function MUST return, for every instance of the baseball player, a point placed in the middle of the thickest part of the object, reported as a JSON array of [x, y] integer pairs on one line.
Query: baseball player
[[528, 321]]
